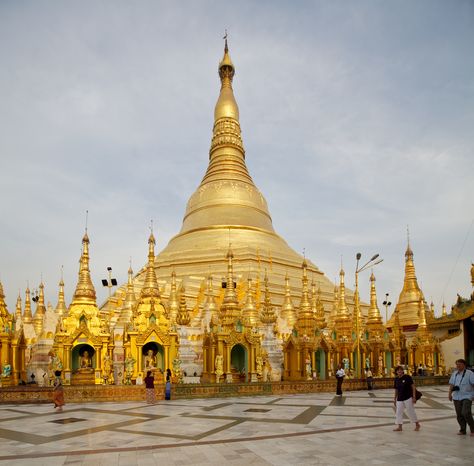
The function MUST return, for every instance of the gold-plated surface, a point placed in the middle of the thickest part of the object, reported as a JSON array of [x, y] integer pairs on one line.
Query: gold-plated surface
[[408, 305]]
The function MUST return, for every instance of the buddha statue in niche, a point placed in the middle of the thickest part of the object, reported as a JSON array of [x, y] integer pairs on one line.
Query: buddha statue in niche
[[85, 361]]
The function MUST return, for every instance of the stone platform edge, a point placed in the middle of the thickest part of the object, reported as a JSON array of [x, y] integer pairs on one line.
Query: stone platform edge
[[117, 393]]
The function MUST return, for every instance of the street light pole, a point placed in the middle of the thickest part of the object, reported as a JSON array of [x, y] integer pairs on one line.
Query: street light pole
[[371, 263], [387, 304]]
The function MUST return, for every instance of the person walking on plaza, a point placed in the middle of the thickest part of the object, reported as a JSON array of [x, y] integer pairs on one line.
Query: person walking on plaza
[[405, 397], [58, 392], [461, 392], [150, 388], [168, 385], [340, 374], [370, 379]]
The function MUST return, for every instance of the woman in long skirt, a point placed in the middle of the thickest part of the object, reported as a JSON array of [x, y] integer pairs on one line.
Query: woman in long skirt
[[58, 392], [150, 388]]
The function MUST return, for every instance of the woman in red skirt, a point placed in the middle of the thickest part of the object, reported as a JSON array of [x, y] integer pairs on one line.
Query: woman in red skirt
[[150, 388], [58, 392]]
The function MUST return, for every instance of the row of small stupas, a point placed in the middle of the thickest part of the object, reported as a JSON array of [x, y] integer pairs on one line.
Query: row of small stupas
[[274, 316], [256, 339]]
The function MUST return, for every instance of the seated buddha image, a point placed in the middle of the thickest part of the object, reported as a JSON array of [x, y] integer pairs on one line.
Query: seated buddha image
[[150, 360], [85, 361]]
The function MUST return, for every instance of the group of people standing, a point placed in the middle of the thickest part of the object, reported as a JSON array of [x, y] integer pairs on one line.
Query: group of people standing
[[150, 387], [461, 393]]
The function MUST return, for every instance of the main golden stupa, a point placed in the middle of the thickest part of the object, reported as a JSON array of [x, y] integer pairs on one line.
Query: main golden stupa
[[227, 208]]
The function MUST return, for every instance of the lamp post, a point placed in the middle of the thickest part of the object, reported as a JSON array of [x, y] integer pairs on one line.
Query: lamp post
[[371, 263], [387, 304], [109, 283]]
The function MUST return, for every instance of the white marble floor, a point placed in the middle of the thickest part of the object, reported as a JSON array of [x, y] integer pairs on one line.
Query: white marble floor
[[316, 429]]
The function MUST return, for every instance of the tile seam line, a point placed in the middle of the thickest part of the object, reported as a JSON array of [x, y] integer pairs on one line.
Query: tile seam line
[[209, 442]]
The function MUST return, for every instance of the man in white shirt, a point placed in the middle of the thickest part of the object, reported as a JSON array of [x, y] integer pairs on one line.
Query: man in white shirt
[[340, 374], [461, 392]]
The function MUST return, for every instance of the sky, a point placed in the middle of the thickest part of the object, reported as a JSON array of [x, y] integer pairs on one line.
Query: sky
[[357, 118]]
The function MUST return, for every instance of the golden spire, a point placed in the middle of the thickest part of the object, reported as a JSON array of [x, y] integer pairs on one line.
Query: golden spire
[[38, 319], [18, 308], [444, 313], [6, 320], [422, 322], [227, 194], [230, 310], [305, 305], [409, 300], [27, 316], [320, 314], [126, 315], [342, 311], [249, 311], [374, 311], [335, 305], [3, 306], [305, 322], [268, 315], [210, 305], [85, 291], [150, 286], [313, 299], [287, 309], [173, 302], [130, 298], [183, 317], [230, 296], [61, 308]]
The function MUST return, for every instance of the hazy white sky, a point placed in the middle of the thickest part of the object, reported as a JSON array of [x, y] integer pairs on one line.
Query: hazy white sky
[[357, 119]]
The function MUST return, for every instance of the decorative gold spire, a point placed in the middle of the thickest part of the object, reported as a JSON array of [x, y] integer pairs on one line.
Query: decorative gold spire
[[130, 298], [150, 286], [313, 299], [126, 315], [6, 320], [3, 306], [249, 311], [374, 311], [288, 309], [227, 194], [230, 310], [183, 317], [268, 315], [320, 314], [18, 308], [422, 322], [443, 312], [409, 300], [226, 106], [27, 316], [38, 319], [61, 308], [85, 291], [342, 311], [173, 302], [210, 305], [305, 322]]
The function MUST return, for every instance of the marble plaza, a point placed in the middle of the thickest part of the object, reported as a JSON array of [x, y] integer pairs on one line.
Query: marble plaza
[[319, 429]]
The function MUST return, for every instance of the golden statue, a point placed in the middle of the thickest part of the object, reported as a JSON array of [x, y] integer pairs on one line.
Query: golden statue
[[219, 367], [150, 360], [85, 361], [107, 364]]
